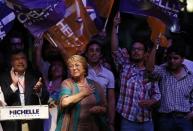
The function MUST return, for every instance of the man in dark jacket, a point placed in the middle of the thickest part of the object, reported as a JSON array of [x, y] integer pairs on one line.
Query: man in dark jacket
[[22, 87]]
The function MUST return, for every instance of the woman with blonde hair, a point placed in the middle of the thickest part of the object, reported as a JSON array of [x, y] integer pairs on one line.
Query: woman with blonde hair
[[82, 101]]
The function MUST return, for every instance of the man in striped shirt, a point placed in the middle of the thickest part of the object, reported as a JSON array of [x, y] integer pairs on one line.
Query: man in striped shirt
[[137, 93], [176, 87]]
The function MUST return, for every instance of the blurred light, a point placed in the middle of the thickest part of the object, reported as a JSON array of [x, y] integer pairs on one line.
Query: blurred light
[[189, 5], [2, 1], [175, 28]]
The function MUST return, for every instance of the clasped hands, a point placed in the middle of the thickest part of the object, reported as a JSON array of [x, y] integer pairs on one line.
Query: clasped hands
[[15, 80]]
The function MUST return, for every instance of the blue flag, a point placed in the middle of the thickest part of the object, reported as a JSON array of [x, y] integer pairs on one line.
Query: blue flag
[[165, 10], [6, 19], [38, 15]]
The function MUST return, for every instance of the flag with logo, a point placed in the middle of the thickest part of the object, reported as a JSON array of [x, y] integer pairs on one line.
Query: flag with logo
[[6, 19], [165, 10], [98, 10], [38, 15], [72, 33]]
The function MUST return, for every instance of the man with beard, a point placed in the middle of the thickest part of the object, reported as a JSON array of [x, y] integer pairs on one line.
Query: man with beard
[[176, 86], [137, 93], [102, 75]]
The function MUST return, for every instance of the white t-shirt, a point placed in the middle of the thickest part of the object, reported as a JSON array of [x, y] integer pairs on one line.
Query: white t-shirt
[[189, 64], [105, 78]]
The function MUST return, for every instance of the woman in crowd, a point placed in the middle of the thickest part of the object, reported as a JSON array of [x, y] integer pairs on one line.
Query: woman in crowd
[[56, 74], [82, 101]]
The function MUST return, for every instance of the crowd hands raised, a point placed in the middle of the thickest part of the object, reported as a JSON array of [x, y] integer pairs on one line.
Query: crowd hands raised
[[138, 68], [83, 93]]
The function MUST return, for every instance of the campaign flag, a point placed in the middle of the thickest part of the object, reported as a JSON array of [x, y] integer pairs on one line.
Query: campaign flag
[[72, 33], [104, 7], [93, 13], [165, 10], [6, 19], [38, 15], [33, 4], [98, 10], [158, 29]]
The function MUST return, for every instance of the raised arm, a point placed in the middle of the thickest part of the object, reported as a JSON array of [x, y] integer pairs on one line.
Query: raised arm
[[121, 56], [114, 35], [150, 61], [38, 42], [40, 63]]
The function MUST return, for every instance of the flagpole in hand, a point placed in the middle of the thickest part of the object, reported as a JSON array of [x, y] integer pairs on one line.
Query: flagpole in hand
[[114, 35], [118, 17], [38, 88], [117, 21]]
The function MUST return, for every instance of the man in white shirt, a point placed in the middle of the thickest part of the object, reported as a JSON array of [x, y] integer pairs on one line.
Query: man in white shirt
[[102, 75]]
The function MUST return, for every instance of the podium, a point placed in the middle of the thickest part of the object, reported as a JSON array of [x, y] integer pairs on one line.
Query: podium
[[24, 112]]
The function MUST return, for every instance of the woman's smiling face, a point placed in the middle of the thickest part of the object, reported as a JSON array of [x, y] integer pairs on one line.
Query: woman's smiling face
[[76, 69]]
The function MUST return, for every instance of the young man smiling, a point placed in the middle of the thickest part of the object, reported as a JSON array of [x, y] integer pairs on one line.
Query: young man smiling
[[102, 75]]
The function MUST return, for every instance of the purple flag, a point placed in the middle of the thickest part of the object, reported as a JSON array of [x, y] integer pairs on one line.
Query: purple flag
[[33, 4], [99, 11], [165, 10], [93, 13], [38, 15], [6, 19]]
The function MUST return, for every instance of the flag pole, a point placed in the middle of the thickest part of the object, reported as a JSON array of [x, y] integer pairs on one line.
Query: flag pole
[[107, 20], [117, 29], [104, 28], [50, 38]]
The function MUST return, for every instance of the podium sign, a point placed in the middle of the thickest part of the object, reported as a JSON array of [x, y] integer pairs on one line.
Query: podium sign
[[24, 112]]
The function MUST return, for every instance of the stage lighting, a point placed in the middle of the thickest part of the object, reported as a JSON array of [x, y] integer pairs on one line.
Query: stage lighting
[[189, 5]]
